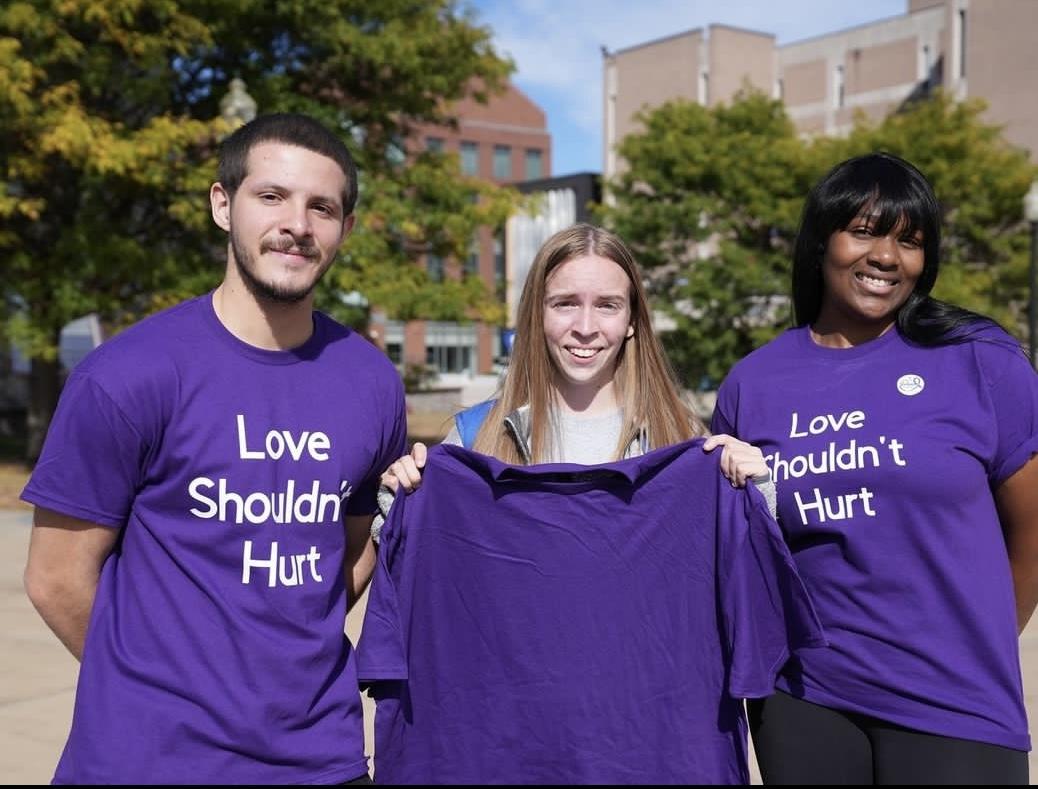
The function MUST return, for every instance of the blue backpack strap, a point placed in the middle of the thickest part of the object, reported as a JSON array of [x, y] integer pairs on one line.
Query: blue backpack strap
[[469, 421]]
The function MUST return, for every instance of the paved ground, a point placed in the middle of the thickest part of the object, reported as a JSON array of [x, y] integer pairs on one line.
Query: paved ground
[[37, 675]]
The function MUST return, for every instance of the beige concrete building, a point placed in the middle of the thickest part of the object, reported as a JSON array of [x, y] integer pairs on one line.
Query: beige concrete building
[[505, 141], [971, 48]]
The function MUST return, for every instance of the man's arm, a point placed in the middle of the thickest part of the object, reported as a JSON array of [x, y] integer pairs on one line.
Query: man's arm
[[360, 557], [1017, 500], [62, 572]]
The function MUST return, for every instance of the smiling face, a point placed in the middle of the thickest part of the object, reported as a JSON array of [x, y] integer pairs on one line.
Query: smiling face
[[587, 319], [285, 220], [868, 277]]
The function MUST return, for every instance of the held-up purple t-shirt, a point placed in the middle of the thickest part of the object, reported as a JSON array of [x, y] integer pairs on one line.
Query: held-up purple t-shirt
[[215, 651], [576, 624], [885, 457]]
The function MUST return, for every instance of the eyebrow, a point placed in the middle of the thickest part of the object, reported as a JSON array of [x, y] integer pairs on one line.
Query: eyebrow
[[574, 294], [274, 186]]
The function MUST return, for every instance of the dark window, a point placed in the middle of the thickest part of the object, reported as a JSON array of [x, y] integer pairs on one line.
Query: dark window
[[499, 260], [502, 162], [472, 260], [534, 164], [470, 158], [434, 265]]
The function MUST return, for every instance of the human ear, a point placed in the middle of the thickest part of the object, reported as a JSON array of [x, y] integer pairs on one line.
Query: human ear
[[220, 205]]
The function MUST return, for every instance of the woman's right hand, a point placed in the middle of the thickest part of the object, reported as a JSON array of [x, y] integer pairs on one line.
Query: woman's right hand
[[406, 472]]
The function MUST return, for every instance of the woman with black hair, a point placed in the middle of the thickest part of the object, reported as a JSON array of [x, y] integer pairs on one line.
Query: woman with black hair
[[901, 433]]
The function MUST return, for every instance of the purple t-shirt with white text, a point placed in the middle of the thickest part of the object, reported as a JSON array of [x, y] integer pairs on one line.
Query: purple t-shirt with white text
[[576, 624], [885, 457], [215, 651]]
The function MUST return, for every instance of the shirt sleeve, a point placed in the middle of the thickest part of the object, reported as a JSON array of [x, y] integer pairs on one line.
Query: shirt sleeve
[[1014, 396], [92, 461], [380, 649], [394, 445], [766, 610]]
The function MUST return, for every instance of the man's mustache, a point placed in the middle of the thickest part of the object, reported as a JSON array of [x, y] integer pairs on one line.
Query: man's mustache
[[289, 246]]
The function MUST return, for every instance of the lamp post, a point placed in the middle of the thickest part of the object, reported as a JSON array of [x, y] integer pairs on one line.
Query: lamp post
[[1031, 215], [237, 107]]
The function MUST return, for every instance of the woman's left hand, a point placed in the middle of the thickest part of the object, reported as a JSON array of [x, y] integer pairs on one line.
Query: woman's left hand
[[739, 461]]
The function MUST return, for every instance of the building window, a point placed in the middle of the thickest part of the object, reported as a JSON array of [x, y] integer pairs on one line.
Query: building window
[[780, 89], [449, 359], [434, 144], [502, 162], [434, 266], [534, 164], [472, 260], [450, 347], [838, 87], [396, 153], [704, 88], [470, 158], [393, 333], [499, 260]]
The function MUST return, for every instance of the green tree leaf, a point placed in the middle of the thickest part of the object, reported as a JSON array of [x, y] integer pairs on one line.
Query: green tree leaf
[[109, 126]]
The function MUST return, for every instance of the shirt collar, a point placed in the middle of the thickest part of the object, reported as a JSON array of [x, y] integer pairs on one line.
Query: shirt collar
[[627, 471]]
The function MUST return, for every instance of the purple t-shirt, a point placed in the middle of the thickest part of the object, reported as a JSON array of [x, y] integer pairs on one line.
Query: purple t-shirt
[[215, 651], [576, 624], [885, 457]]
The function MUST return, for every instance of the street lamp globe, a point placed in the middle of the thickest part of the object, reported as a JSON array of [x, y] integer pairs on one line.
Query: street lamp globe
[[237, 107], [1031, 203]]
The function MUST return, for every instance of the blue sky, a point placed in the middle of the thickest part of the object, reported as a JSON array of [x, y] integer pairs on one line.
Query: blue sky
[[556, 46]]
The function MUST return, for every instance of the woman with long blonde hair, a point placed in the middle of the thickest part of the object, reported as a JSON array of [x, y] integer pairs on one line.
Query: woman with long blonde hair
[[636, 604], [588, 381]]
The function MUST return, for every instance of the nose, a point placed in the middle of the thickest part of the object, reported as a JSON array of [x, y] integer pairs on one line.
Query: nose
[[585, 321], [884, 250], [296, 220]]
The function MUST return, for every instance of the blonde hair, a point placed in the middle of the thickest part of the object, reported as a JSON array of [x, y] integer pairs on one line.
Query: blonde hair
[[645, 385]]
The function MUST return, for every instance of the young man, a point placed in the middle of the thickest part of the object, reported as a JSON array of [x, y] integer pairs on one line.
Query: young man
[[204, 497]]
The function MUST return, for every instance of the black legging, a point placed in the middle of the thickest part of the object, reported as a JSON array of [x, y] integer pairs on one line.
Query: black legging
[[802, 743]]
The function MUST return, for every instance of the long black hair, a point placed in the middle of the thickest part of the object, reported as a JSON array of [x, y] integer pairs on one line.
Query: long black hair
[[895, 194]]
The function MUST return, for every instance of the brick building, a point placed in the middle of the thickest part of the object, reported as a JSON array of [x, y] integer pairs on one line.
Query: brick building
[[505, 141]]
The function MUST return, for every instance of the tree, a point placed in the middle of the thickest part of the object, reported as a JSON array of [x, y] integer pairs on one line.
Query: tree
[[109, 124], [711, 199], [709, 203]]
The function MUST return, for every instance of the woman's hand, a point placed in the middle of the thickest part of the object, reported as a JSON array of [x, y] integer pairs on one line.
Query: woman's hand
[[739, 461], [406, 472]]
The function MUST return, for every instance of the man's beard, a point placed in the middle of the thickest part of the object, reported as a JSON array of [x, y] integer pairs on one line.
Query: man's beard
[[269, 291]]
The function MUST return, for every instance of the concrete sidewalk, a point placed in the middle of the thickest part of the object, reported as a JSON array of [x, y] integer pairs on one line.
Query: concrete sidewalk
[[38, 677]]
